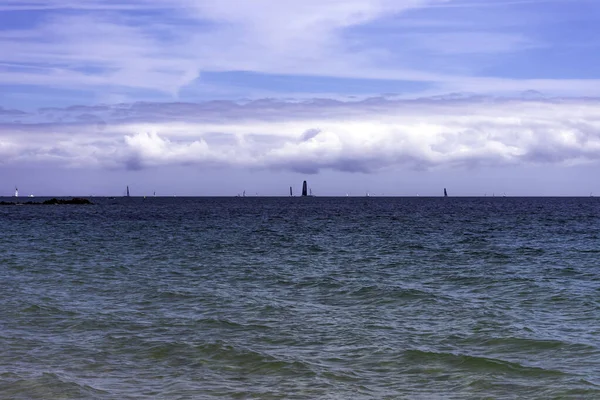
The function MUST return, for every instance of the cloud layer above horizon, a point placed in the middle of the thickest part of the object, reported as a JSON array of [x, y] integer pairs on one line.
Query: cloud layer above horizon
[[364, 136]]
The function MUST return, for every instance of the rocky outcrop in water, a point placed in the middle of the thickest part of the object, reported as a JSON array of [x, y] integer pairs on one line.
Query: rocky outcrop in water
[[53, 201], [74, 200]]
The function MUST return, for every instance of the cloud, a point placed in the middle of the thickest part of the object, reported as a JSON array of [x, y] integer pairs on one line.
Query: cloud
[[95, 50], [161, 46], [148, 149], [105, 43], [479, 42], [11, 113], [364, 136]]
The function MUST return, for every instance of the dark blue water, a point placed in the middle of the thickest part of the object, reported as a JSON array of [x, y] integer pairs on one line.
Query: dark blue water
[[301, 298]]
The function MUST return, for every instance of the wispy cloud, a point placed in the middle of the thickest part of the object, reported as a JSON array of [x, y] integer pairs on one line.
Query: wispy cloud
[[99, 45], [94, 50], [18, 5], [471, 42], [164, 46], [365, 136], [493, 3]]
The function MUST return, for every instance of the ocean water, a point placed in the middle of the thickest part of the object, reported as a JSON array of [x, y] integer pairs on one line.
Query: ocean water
[[301, 298]]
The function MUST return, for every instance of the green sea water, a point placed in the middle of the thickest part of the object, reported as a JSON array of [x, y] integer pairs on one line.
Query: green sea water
[[301, 298]]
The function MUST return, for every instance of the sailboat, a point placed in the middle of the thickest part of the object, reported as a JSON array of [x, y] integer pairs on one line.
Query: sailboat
[[16, 191], [291, 193], [445, 193], [306, 192], [127, 195]]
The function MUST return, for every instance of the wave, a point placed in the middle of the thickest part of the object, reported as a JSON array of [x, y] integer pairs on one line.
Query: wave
[[479, 363], [530, 251], [389, 293], [221, 355], [325, 282], [229, 324], [45, 309], [489, 256], [45, 386], [537, 344]]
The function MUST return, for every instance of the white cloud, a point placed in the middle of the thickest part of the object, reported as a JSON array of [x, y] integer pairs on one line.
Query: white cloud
[[99, 45], [307, 137], [163, 45], [94, 50]]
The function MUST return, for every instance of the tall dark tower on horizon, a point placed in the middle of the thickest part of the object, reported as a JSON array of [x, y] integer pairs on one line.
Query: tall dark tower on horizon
[[304, 189]]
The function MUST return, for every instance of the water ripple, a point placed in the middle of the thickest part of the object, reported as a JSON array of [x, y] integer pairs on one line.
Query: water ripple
[[301, 299]]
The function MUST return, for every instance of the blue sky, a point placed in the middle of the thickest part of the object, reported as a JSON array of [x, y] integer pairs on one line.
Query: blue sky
[[405, 95]]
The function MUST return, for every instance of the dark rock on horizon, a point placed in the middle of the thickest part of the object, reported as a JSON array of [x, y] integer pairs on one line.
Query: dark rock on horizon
[[53, 201], [74, 200]]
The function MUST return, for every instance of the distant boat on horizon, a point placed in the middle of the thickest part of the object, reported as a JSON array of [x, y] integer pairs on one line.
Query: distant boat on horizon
[[306, 192], [445, 193], [16, 191], [291, 193], [127, 195]]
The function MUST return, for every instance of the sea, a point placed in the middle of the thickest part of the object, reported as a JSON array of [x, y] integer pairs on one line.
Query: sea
[[301, 298]]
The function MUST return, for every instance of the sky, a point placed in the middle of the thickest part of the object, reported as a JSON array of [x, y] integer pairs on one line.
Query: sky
[[217, 97]]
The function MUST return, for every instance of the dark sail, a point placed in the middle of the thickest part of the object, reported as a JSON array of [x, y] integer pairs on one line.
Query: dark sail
[[127, 191], [291, 194], [445, 193], [304, 189]]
